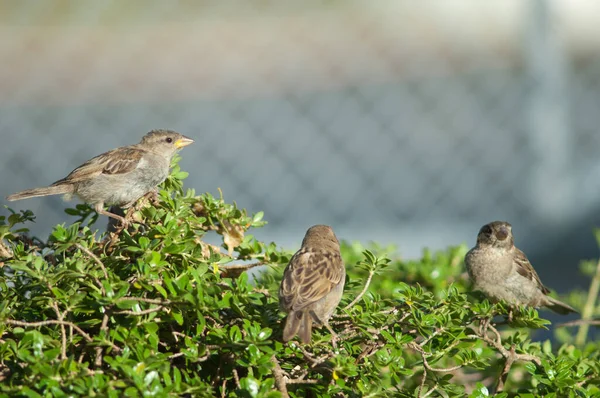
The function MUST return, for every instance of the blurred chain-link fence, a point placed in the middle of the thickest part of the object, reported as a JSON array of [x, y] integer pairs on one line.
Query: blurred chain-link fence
[[391, 121]]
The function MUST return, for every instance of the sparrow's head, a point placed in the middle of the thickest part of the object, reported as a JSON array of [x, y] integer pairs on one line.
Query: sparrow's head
[[165, 142], [497, 234], [320, 235]]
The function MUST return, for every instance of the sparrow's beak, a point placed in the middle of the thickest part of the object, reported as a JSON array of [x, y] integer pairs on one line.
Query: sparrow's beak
[[183, 141], [502, 233]]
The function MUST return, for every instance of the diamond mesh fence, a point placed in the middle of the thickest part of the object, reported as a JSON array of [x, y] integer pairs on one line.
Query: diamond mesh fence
[[393, 122]]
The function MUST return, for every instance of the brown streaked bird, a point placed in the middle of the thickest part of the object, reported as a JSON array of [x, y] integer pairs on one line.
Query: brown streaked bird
[[118, 177], [502, 272], [313, 283]]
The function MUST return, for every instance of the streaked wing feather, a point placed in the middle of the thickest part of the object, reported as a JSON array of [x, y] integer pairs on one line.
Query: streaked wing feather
[[118, 161], [525, 269], [309, 277]]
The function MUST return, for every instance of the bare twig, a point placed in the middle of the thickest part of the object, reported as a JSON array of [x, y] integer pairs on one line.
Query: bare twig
[[497, 344], [86, 336], [362, 293], [418, 348], [103, 328], [315, 361], [94, 257], [507, 365], [510, 356], [177, 334], [395, 310], [423, 378], [201, 359], [63, 331], [343, 322], [302, 381], [280, 380], [179, 354], [139, 313], [435, 333], [348, 334], [588, 308], [143, 300], [236, 378], [431, 391], [584, 381], [369, 350]]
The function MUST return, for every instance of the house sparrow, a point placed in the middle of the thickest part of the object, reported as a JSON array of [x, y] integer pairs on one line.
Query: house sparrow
[[118, 177], [313, 283], [503, 272]]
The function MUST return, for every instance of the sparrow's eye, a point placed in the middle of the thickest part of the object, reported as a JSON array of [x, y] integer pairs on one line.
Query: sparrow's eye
[[169, 140], [486, 230]]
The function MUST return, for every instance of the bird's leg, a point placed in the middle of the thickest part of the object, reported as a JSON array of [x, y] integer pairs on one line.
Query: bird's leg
[[114, 229], [133, 206], [152, 196], [318, 321], [334, 336], [99, 207], [510, 315], [138, 204], [130, 212]]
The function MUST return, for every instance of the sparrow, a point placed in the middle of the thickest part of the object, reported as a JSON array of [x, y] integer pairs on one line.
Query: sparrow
[[118, 177], [312, 284], [502, 272]]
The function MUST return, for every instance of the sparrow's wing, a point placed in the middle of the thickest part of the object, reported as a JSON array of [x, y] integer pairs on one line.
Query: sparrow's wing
[[310, 276], [525, 269], [118, 161]]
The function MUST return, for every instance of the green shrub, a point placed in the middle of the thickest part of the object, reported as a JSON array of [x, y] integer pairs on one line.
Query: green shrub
[[156, 311]]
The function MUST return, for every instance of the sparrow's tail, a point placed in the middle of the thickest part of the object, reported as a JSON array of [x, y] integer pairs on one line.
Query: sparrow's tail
[[45, 191], [558, 306], [298, 323]]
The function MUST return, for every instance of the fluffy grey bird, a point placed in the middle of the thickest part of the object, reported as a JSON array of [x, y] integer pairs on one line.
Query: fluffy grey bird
[[313, 283], [118, 177], [503, 272]]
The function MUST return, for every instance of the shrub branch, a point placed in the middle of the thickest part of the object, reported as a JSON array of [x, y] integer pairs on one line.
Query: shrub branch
[[86, 336], [280, 381], [510, 356], [362, 293], [63, 331], [94, 257]]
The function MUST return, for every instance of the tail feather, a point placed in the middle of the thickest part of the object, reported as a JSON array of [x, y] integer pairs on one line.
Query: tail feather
[[297, 323], [44, 191], [559, 307], [305, 331]]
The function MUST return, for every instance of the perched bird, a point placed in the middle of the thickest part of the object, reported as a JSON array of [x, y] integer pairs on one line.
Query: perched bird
[[118, 177], [313, 283], [503, 272]]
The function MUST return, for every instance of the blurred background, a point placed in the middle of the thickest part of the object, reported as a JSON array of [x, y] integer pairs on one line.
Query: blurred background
[[393, 121]]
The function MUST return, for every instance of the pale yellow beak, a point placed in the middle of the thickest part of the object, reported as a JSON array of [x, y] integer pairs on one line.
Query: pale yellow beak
[[184, 141]]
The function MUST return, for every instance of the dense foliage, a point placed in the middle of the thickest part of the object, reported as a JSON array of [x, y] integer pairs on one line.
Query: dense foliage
[[157, 311]]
